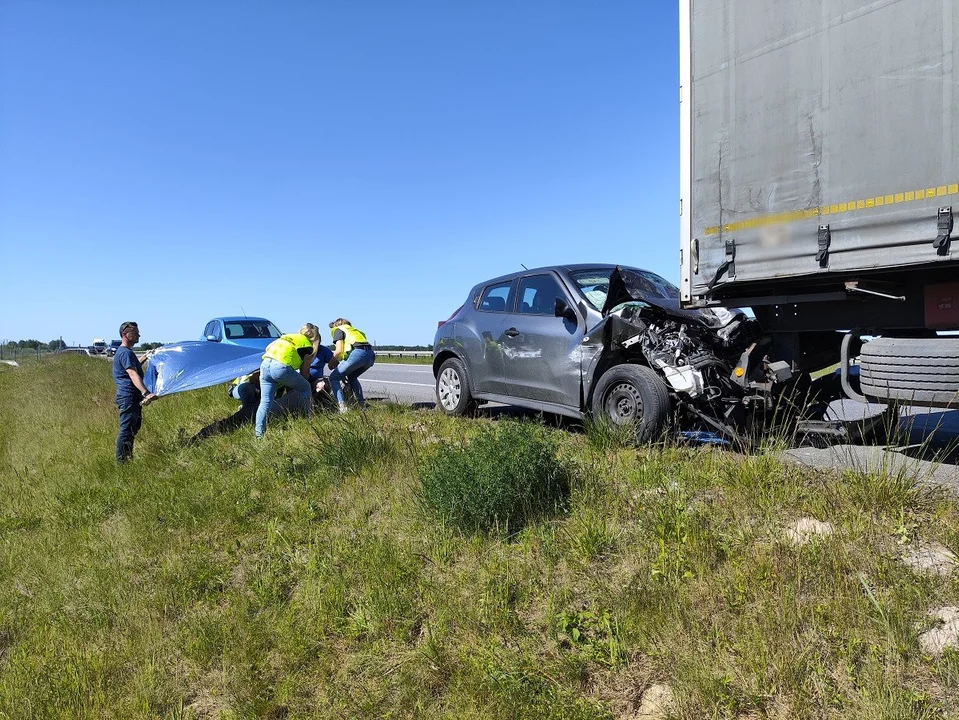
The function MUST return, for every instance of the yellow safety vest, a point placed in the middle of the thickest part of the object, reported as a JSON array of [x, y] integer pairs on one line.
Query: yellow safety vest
[[353, 337], [289, 350]]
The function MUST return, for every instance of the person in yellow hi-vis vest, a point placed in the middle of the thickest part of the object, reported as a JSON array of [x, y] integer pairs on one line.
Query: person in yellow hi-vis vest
[[286, 363], [352, 356]]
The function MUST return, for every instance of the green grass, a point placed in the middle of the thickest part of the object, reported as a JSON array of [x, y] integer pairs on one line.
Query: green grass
[[404, 359], [303, 577]]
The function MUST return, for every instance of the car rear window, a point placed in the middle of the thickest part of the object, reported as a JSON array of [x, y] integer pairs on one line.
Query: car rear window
[[250, 330], [496, 298]]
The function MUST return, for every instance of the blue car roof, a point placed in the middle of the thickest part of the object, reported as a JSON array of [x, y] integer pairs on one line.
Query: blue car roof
[[237, 318]]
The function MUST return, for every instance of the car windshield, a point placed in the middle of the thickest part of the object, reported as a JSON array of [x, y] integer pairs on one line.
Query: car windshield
[[250, 329], [594, 285]]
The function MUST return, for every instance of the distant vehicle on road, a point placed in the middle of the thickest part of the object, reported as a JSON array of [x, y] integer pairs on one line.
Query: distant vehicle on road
[[253, 332], [99, 346], [76, 351], [112, 350]]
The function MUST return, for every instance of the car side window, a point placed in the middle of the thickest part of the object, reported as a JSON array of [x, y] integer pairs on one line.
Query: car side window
[[217, 333], [208, 330], [496, 298], [538, 294]]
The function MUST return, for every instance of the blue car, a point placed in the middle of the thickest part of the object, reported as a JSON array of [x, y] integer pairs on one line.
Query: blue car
[[251, 332]]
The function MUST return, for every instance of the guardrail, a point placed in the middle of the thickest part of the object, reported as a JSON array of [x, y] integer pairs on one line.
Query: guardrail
[[403, 353]]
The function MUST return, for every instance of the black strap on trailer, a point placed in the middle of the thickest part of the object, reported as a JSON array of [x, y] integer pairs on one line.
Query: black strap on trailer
[[728, 267], [945, 231], [825, 237]]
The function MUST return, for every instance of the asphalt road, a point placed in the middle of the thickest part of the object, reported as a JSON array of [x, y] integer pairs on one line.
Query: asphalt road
[[406, 384]]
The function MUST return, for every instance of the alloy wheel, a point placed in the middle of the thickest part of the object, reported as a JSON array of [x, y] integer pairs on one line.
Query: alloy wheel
[[450, 389]]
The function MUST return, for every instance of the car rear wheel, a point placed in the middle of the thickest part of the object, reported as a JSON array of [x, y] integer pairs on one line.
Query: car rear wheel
[[453, 395], [632, 395]]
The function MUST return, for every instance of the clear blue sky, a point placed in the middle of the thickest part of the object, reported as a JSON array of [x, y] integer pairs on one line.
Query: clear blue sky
[[168, 162]]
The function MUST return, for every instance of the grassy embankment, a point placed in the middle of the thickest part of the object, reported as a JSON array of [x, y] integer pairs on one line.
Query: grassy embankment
[[403, 359], [303, 577]]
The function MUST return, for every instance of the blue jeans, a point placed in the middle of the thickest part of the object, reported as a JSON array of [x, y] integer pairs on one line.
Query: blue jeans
[[131, 416], [359, 361], [274, 374]]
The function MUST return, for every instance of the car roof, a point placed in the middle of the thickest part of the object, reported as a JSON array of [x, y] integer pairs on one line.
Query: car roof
[[567, 268], [238, 318]]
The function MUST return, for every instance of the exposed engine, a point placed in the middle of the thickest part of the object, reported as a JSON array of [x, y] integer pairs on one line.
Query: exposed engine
[[718, 372]]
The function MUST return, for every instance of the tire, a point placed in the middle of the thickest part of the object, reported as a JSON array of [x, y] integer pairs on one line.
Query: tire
[[632, 395], [916, 371], [453, 394]]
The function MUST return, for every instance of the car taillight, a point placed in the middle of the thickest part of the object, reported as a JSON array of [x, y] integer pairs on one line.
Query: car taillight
[[456, 312]]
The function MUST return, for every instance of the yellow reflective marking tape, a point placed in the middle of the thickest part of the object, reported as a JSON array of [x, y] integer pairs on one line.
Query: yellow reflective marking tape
[[836, 208]]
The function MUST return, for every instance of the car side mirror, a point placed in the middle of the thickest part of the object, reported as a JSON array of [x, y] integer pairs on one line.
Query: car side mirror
[[211, 338], [564, 311]]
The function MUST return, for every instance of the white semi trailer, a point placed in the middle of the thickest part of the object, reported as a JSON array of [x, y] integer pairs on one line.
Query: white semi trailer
[[820, 181]]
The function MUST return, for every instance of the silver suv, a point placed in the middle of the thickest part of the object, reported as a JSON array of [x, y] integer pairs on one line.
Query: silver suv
[[575, 340]]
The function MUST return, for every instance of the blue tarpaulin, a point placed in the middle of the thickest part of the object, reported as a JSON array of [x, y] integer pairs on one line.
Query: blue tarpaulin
[[196, 364]]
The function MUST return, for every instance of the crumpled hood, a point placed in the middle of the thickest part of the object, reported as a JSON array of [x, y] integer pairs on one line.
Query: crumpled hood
[[626, 286]]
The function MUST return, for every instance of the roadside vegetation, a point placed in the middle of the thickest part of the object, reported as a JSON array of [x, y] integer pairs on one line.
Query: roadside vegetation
[[383, 357], [371, 566]]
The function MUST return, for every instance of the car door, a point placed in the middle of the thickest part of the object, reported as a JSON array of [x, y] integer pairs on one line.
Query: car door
[[541, 351], [490, 320]]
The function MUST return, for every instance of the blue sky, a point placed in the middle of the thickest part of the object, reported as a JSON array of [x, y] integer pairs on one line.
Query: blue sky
[[170, 162]]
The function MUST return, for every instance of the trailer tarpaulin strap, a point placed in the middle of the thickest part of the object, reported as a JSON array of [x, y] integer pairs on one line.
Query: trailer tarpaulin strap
[[945, 231], [729, 265], [825, 237]]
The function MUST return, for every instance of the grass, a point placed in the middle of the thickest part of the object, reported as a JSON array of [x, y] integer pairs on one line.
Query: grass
[[382, 358], [303, 577]]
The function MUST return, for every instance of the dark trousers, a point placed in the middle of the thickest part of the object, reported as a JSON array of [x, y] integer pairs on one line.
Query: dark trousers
[[131, 416]]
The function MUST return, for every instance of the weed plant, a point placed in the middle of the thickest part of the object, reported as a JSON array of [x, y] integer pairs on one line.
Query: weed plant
[[300, 577], [502, 478]]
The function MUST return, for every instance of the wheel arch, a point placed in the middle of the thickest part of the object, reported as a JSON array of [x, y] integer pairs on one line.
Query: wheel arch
[[445, 355]]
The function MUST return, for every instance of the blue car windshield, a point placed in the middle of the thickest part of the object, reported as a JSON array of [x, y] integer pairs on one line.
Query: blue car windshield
[[250, 329]]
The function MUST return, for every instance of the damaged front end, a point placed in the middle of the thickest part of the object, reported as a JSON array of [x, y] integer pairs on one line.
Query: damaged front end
[[716, 363]]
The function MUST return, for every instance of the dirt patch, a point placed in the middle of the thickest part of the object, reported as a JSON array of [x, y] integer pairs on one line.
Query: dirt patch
[[929, 557], [944, 635], [657, 702], [806, 529]]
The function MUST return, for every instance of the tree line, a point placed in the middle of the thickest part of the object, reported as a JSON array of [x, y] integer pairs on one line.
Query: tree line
[[58, 344]]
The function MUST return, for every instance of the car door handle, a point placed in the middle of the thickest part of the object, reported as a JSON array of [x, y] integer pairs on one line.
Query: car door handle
[[512, 332]]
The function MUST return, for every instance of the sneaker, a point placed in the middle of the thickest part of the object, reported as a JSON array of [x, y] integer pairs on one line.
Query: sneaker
[[343, 409]]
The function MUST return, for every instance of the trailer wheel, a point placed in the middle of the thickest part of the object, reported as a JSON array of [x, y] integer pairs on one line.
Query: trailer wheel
[[917, 371], [632, 395]]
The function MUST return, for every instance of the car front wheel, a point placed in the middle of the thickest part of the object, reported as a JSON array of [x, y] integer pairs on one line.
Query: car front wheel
[[632, 395], [453, 395]]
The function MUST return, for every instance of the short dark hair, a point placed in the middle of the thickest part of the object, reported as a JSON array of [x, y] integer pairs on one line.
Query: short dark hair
[[126, 326]]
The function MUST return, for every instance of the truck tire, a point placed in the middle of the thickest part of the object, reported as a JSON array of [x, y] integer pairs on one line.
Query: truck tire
[[453, 394], [632, 395], [915, 371]]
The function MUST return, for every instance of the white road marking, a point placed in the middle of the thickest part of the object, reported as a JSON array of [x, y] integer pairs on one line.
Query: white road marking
[[395, 382]]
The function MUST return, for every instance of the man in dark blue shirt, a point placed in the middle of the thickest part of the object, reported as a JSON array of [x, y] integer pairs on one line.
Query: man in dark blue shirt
[[132, 394], [322, 393]]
